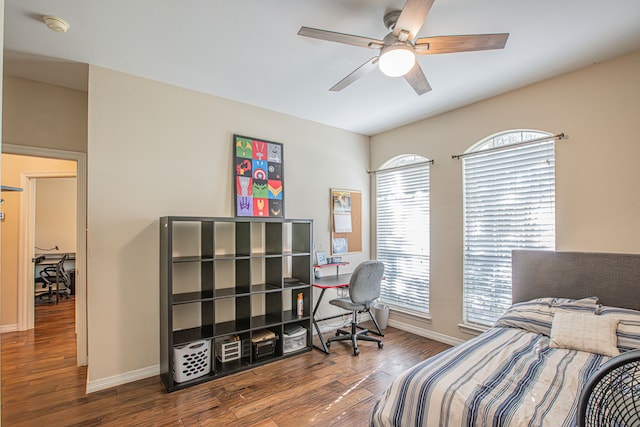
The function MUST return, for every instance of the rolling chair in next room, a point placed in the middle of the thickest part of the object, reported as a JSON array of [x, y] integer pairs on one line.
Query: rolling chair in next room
[[364, 289], [53, 281]]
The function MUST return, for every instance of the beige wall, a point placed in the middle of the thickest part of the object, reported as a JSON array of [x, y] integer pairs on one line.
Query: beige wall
[[39, 115], [158, 150], [13, 167], [597, 173], [56, 213], [43, 115]]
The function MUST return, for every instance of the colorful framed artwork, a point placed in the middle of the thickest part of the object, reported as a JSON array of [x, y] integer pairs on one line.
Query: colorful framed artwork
[[259, 177]]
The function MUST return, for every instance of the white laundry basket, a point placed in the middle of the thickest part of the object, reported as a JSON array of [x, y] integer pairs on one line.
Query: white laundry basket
[[192, 360]]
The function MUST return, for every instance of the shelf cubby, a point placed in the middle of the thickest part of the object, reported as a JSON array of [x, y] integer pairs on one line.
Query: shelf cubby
[[290, 304], [266, 309]]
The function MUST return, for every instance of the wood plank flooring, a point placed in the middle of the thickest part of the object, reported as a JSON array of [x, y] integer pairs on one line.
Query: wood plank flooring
[[41, 385]]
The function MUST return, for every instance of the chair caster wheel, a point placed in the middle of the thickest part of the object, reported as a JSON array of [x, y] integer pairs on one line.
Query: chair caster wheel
[[356, 352], [380, 345], [337, 334], [328, 344]]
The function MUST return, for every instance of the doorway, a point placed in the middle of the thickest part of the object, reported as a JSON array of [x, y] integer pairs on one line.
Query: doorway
[[26, 240]]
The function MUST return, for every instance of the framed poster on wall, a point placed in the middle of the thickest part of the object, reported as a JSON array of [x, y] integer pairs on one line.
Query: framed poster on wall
[[259, 177]]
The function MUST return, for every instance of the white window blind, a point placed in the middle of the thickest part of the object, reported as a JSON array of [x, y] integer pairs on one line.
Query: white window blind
[[403, 236], [509, 203]]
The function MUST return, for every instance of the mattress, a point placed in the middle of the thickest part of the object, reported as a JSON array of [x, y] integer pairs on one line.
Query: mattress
[[507, 376], [504, 377]]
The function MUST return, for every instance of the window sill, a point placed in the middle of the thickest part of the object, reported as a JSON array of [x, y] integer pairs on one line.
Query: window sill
[[471, 329]]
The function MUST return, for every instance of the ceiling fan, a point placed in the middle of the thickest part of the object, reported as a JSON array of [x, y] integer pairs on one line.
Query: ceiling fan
[[398, 49]]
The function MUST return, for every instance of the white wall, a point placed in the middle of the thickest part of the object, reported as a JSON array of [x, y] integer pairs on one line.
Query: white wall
[[156, 150], [597, 173], [56, 214]]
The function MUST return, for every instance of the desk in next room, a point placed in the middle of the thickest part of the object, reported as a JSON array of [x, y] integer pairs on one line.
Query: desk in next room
[[330, 282]]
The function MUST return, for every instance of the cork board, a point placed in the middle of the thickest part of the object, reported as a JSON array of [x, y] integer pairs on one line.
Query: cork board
[[346, 221]]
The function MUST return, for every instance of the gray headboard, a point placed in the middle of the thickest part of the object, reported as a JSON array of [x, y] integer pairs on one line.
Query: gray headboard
[[613, 278]]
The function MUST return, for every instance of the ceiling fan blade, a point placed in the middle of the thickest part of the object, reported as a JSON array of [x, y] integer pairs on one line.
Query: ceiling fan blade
[[340, 37], [412, 17], [355, 75], [418, 81], [468, 43]]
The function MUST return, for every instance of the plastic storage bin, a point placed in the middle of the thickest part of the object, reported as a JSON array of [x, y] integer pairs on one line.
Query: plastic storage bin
[[228, 349], [263, 343], [192, 360], [294, 339]]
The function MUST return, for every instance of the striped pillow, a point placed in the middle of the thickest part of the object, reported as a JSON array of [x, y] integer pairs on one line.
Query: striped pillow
[[537, 315], [628, 326], [586, 305], [532, 316]]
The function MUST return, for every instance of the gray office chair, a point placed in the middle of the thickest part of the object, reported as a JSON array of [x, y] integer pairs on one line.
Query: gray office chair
[[54, 281], [364, 289]]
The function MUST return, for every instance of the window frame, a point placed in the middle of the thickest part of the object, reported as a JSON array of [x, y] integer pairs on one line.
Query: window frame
[[502, 251], [416, 166]]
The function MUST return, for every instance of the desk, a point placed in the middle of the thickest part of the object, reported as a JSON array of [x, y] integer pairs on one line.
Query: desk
[[57, 255], [337, 265], [332, 282]]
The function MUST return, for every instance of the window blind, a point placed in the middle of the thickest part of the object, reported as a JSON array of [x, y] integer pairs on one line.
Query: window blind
[[403, 236], [509, 203]]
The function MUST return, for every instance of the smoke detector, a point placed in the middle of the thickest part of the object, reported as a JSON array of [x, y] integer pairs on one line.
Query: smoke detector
[[56, 24]]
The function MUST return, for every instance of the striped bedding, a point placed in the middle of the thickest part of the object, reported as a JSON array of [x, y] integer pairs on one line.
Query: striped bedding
[[507, 376]]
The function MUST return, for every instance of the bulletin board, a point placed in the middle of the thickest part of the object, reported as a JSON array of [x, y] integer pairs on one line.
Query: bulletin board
[[346, 221]]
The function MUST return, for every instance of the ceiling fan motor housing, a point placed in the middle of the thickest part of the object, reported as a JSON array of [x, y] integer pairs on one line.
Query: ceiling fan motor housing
[[390, 19]]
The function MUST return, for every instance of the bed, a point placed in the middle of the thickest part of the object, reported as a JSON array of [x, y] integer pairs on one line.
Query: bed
[[571, 313]]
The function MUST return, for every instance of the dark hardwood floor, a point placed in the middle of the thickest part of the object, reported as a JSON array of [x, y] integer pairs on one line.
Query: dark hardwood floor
[[41, 385]]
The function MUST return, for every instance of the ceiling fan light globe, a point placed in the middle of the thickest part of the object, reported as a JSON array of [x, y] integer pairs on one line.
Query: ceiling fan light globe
[[396, 60]]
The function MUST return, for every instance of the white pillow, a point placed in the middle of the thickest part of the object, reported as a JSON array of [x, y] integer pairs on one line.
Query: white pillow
[[585, 332]]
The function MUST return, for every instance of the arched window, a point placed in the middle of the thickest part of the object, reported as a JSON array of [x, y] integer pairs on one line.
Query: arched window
[[509, 203], [402, 230]]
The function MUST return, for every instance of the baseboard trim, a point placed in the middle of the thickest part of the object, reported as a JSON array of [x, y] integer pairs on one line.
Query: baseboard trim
[[8, 328], [425, 333], [405, 327], [127, 377]]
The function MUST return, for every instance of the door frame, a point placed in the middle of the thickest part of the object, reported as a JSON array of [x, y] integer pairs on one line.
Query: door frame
[[26, 240]]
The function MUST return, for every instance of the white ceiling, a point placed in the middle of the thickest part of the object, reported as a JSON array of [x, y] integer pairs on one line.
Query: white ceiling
[[249, 50]]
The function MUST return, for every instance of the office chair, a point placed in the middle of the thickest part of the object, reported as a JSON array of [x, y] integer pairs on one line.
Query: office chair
[[56, 281], [364, 289]]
